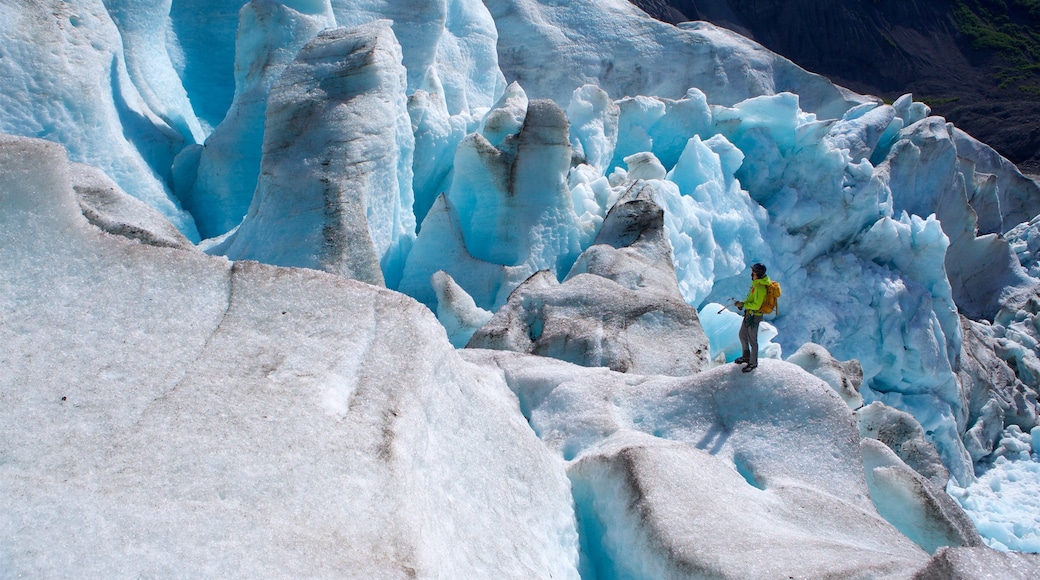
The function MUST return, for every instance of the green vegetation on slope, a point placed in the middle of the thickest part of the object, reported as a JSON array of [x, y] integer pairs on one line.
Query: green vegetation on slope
[[1010, 28]]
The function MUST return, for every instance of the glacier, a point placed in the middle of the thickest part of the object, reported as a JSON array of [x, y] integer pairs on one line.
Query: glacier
[[348, 288]]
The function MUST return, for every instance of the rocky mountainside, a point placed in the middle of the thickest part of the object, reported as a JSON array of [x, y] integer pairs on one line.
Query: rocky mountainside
[[975, 62]]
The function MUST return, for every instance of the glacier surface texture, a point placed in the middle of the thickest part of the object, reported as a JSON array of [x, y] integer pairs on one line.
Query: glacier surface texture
[[347, 288]]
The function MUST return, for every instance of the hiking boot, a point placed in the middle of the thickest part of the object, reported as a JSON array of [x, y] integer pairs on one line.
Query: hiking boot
[[741, 361], [749, 368]]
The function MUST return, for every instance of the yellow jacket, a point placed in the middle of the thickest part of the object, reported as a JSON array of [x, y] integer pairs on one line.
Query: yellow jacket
[[756, 295]]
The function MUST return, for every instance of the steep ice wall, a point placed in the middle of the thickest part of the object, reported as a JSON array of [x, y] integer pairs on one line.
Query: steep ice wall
[[216, 182], [65, 76], [448, 47], [205, 57], [335, 191], [144, 27]]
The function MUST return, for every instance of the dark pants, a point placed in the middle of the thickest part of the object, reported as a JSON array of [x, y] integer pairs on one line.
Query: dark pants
[[749, 337]]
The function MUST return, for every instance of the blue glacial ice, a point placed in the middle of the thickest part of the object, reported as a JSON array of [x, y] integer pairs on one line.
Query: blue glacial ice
[[485, 159]]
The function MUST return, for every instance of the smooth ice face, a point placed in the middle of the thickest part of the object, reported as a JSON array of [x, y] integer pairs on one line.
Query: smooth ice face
[[204, 48], [335, 193], [217, 413], [269, 37], [205, 54], [144, 27], [917, 507], [66, 80]]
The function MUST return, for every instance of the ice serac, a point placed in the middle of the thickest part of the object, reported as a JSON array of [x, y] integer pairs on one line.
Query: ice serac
[[64, 71], [456, 310], [800, 169], [243, 419], [530, 219], [335, 189], [927, 175], [1001, 196], [715, 228], [631, 247], [508, 209], [619, 306], [219, 190], [661, 125], [449, 50], [440, 245], [830, 221], [994, 395], [593, 117], [1025, 242], [666, 471], [621, 49]]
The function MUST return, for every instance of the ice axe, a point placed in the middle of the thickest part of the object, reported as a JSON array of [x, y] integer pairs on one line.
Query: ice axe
[[731, 300]]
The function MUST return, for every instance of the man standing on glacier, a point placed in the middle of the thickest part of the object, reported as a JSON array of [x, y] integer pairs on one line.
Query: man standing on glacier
[[752, 307]]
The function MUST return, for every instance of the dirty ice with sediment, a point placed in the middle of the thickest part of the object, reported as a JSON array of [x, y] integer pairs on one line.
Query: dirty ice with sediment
[[334, 288]]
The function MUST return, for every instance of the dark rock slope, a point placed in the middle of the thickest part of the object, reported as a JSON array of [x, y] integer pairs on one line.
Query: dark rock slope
[[975, 62]]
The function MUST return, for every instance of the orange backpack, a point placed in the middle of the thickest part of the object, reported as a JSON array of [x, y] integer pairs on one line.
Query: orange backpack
[[772, 295]]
